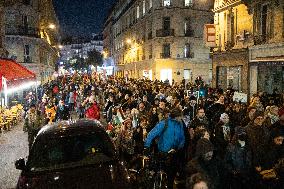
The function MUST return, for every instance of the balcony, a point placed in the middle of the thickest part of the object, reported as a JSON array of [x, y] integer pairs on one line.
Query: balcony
[[22, 31], [165, 55], [165, 33], [189, 55], [260, 39]]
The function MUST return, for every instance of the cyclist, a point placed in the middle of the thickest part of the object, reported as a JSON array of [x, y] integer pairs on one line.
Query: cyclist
[[171, 139]]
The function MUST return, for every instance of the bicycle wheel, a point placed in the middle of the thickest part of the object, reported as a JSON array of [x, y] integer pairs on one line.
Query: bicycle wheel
[[160, 181]]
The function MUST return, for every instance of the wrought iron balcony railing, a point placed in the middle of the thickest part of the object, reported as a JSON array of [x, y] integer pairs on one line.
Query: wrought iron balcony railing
[[165, 33], [22, 31], [165, 55]]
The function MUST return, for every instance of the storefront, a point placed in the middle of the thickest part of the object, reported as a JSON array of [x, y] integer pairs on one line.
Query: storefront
[[15, 79], [267, 76], [229, 77], [230, 70], [267, 68]]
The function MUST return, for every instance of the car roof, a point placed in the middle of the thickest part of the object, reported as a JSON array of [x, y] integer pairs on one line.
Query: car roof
[[76, 127]]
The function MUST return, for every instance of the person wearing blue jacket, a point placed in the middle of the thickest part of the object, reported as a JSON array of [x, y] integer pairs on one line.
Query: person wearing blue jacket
[[171, 136]]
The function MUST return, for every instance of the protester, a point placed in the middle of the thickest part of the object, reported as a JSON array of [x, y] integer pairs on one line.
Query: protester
[[136, 111]]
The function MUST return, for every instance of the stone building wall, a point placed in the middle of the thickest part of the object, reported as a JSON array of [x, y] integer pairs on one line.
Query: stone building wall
[[28, 40], [145, 39]]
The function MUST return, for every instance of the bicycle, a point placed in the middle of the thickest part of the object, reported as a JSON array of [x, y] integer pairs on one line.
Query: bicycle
[[152, 175]]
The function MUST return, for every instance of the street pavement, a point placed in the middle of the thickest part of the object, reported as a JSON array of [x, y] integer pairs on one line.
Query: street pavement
[[13, 145]]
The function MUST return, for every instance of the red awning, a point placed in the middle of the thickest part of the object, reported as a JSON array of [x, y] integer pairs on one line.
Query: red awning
[[14, 73]]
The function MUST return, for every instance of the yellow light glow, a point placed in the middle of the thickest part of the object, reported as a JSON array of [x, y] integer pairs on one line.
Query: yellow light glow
[[128, 41], [60, 46], [51, 26]]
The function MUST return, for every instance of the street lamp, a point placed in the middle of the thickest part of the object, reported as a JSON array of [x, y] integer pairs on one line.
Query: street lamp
[[51, 26], [128, 41]]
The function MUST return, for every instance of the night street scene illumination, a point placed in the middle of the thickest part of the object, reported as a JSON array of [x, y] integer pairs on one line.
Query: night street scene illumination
[[141, 94]]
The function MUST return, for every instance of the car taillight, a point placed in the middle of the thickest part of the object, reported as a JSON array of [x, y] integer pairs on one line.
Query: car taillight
[[25, 182]]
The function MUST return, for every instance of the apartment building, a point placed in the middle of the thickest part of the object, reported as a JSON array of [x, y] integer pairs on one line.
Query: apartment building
[[160, 39], [32, 35], [249, 49]]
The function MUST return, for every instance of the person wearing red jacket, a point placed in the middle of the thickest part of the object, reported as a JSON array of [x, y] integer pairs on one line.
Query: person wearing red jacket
[[92, 109]]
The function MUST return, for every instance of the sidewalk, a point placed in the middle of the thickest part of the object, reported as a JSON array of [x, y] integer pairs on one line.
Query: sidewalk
[[13, 145]]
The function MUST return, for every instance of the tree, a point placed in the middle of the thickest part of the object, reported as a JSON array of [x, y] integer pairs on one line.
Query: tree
[[95, 58]]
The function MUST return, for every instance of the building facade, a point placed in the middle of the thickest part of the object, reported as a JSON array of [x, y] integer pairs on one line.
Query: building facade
[[160, 39], [3, 52], [31, 35], [80, 48], [249, 45], [266, 57], [234, 34]]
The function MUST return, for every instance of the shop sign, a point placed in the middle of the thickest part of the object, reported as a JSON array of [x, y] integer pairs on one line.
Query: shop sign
[[210, 35]]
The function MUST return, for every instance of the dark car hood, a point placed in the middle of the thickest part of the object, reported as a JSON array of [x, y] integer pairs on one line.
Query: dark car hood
[[100, 176]]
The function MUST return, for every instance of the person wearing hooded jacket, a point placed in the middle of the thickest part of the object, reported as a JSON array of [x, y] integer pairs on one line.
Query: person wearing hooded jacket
[[238, 161], [171, 136], [206, 164], [272, 157]]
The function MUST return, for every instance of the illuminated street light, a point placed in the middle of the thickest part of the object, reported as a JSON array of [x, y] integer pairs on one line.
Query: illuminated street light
[[60, 46], [128, 41], [51, 26]]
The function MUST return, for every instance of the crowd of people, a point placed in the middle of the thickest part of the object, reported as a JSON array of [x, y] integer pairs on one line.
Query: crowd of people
[[207, 140]]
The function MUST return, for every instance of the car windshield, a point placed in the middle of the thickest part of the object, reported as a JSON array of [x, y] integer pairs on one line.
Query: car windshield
[[69, 151]]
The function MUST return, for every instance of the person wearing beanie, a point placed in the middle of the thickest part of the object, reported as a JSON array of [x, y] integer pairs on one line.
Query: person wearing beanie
[[258, 138], [216, 109], [206, 164], [190, 108], [223, 134], [249, 117], [280, 123], [238, 161]]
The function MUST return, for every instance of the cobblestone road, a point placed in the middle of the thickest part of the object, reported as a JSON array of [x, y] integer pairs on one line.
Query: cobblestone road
[[13, 145]]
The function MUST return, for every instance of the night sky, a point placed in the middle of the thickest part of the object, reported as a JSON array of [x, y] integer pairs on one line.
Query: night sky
[[81, 17]]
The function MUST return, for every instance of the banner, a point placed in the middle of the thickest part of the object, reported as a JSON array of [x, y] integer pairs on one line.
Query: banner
[[1, 82], [240, 97]]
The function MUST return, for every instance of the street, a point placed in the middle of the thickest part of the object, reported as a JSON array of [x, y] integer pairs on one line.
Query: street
[[13, 145]]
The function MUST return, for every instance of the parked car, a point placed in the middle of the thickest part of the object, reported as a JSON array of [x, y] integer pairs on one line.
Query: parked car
[[72, 154]]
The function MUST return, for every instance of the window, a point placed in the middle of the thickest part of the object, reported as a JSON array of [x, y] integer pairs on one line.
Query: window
[[167, 3], [25, 21], [144, 7], [264, 13], [137, 13], [27, 57], [188, 3], [166, 51], [187, 28], [150, 4], [27, 2], [166, 23], [187, 50]]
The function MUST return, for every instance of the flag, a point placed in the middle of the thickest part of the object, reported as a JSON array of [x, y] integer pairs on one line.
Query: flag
[[1, 82]]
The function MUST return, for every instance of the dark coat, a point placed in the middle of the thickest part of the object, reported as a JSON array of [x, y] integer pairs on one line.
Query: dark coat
[[272, 156], [238, 159], [221, 142], [258, 138], [197, 122], [210, 170], [62, 114]]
